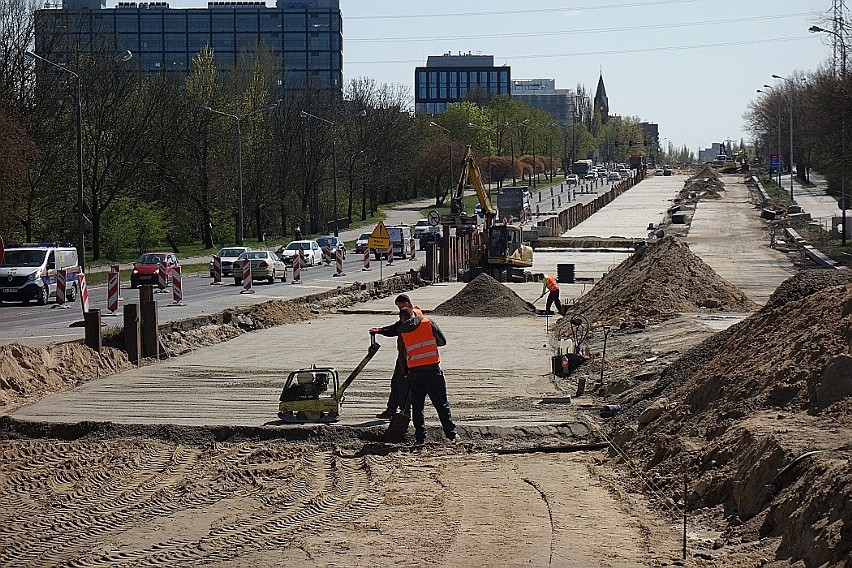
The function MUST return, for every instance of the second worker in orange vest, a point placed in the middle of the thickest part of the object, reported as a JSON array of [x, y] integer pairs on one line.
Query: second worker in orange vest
[[422, 338], [550, 284]]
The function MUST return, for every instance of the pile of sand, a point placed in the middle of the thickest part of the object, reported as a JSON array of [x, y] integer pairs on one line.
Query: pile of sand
[[743, 414], [661, 280], [484, 296], [29, 373]]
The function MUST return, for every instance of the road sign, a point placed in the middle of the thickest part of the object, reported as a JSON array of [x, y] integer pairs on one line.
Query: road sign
[[434, 218], [379, 238]]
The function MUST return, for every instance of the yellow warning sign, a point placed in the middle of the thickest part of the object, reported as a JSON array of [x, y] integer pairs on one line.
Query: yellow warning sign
[[379, 238]]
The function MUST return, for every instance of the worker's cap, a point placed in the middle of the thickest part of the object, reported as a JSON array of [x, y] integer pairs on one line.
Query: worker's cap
[[402, 299]]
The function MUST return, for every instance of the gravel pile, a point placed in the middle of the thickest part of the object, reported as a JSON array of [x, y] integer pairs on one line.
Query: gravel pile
[[661, 280], [805, 283], [485, 297]]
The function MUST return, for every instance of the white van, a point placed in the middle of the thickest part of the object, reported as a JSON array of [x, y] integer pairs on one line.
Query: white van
[[28, 272], [401, 239]]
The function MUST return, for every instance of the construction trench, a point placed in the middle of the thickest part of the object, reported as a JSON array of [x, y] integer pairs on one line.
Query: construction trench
[[735, 406]]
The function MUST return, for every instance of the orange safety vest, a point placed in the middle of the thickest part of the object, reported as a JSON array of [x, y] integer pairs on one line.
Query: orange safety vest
[[420, 346], [551, 284]]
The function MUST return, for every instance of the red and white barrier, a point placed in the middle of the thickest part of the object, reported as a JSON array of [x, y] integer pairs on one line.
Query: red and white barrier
[[217, 269], [326, 254], [338, 262], [177, 287], [297, 269], [246, 277], [84, 292], [390, 254], [112, 289], [61, 277], [366, 260], [163, 279], [413, 250]]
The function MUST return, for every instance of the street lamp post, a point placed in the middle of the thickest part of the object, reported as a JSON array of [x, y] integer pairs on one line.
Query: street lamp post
[[839, 38], [305, 114], [779, 137], [239, 120], [81, 196], [790, 105], [449, 152]]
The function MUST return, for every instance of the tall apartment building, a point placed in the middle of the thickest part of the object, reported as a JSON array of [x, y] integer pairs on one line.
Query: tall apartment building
[[305, 38], [452, 78], [543, 94]]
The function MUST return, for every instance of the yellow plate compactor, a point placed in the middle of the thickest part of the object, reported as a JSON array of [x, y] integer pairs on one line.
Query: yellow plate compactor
[[306, 396]]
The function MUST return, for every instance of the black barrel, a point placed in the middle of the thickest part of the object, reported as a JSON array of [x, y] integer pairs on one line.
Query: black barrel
[[565, 273]]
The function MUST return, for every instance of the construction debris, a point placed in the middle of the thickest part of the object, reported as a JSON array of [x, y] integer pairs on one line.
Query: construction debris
[[485, 297]]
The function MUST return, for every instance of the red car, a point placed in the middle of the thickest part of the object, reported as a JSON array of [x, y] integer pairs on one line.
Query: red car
[[147, 270]]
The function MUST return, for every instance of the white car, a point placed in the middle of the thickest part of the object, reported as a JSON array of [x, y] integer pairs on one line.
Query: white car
[[228, 255], [312, 252], [265, 265], [613, 176], [572, 179], [423, 228]]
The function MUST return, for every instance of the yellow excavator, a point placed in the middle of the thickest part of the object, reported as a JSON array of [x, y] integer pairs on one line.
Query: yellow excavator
[[499, 249]]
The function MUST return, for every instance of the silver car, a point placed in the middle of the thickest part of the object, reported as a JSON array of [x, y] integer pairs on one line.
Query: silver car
[[265, 265]]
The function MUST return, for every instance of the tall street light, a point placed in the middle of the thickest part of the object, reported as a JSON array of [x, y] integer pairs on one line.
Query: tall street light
[[305, 114], [789, 104], [779, 134], [839, 38], [81, 196], [239, 120], [449, 151]]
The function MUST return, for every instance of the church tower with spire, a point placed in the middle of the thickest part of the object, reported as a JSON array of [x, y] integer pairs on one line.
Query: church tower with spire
[[601, 103]]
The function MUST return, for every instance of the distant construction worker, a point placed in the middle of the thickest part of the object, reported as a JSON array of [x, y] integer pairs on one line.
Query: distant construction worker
[[399, 397], [551, 285], [422, 338]]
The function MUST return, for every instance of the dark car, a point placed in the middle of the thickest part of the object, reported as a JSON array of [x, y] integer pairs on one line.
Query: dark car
[[334, 243], [147, 269]]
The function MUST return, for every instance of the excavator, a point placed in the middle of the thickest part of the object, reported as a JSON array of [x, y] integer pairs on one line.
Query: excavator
[[499, 249]]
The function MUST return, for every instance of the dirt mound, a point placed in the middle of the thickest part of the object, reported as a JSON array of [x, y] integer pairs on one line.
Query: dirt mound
[[484, 296], [661, 280], [29, 373], [805, 283], [758, 422]]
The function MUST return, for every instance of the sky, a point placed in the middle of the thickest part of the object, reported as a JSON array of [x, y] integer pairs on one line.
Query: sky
[[691, 66]]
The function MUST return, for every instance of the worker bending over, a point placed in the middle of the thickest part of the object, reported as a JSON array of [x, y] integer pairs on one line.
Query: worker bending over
[[422, 338], [551, 285]]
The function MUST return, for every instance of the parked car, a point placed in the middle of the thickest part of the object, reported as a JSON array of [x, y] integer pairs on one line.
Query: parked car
[[147, 269], [336, 243], [613, 176], [228, 255], [361, 243], [313, 253], [572, 179], [265, 265]]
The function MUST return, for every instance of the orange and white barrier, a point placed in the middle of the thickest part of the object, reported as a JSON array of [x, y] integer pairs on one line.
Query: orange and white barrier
[[246, 277], [163, 279], [413, 250], [112, 289], [390, 254], [84, 292], [61, 277], [297, 269], [177, 287], [366, 260], [338, 262], [217, 269]]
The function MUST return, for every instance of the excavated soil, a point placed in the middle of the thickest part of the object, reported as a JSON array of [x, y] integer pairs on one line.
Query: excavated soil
[[659, 281], [485, 297]]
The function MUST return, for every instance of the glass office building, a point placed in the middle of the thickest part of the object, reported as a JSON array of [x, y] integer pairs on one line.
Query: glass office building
[[304, 38], [452, 78]]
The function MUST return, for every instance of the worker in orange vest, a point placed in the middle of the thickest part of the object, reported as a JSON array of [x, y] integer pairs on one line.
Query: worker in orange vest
[[422, 338], [551, 285], [399, 396]]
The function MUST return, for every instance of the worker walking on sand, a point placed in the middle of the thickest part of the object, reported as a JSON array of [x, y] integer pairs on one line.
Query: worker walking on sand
[[422, 338], [551, 285], [399, 396]]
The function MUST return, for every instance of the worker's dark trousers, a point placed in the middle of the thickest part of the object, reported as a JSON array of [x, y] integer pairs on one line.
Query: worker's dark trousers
[[429, 381], [553, 298], [399, 397]]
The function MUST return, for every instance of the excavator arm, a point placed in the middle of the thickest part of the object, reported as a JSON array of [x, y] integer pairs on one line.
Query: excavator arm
[[470, 173]]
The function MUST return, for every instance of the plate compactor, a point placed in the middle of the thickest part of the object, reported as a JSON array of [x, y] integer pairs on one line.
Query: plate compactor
[[306, 396]]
